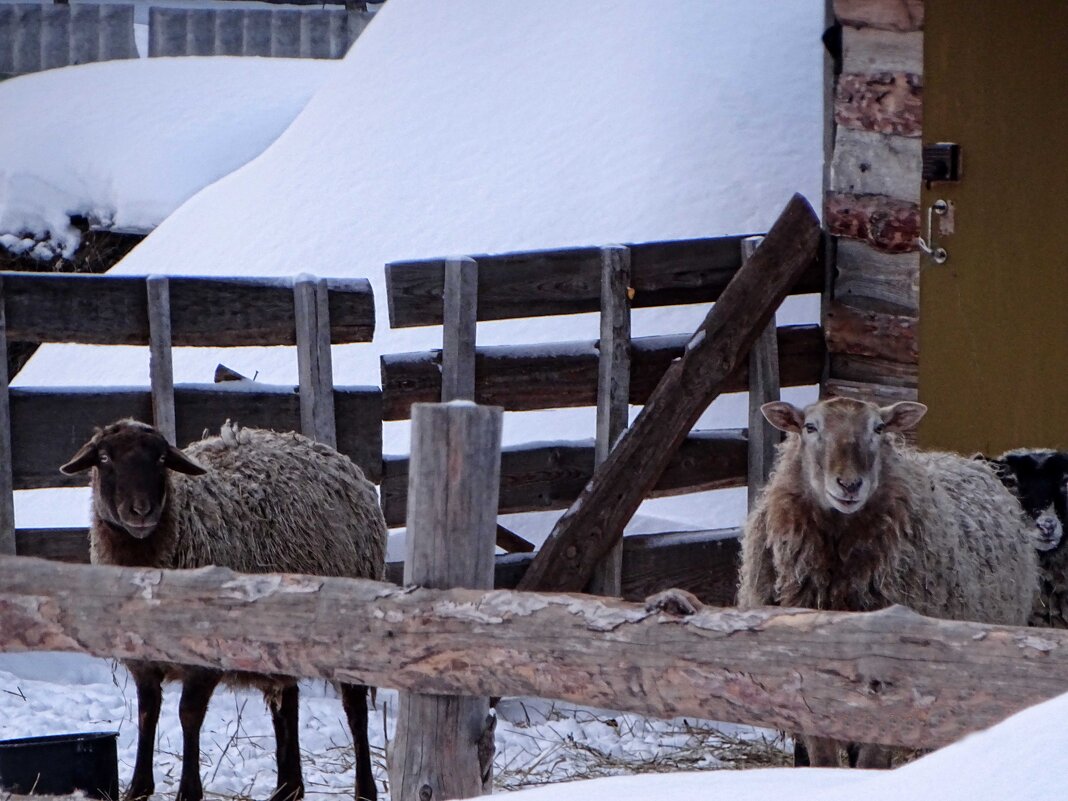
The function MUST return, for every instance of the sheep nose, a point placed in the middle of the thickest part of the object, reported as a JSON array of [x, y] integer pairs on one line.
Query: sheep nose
[[141, 508], [850, 486]]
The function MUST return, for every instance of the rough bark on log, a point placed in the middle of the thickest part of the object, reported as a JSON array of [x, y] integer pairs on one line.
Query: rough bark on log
[[890, 15], [594, 523], [885, 223], [891, 677], [874, 50], [880, 102], [866, 333]]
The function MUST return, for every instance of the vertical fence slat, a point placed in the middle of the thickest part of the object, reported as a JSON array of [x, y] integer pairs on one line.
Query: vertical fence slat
[[311, 304], [285, 33], [229, 31], [117, 32], [257, 40], [613, 388], [85, 34], [338, 35], [160, 367], [200, 31], [27, 38], [7, 497], [8, 22], [55, 37], [443, 744], [763, 388], [459, 315]]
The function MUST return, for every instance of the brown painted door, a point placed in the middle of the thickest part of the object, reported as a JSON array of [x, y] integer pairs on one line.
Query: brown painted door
[[994, 316]]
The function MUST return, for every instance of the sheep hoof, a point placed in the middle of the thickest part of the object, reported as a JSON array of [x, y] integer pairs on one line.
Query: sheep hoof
[[674, 602]]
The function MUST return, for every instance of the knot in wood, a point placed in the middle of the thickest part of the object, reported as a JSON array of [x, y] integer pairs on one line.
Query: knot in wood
[[426, 792], [571, 552]]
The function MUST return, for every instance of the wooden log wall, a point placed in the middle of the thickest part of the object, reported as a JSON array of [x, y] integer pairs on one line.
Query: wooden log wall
[[872, 204]]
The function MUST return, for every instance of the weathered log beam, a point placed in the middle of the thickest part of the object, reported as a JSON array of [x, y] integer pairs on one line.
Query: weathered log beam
[[889, 15], [561, 375], [205, 311], [892, 676], [868, 333], [886, 223], [594, 523]]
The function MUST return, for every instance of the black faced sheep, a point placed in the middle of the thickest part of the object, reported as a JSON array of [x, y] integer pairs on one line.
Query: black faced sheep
[[252, 500], [1039, 478], [853, 519]]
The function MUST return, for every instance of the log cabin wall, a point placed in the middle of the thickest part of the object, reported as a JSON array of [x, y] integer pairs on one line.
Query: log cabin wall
[[872, 202]]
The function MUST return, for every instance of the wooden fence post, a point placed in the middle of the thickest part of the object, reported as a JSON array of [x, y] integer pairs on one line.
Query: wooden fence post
[[460, 314], [160, 366], [443, 746], [763, 388], [7, 487], [311, 306], [613, 389]]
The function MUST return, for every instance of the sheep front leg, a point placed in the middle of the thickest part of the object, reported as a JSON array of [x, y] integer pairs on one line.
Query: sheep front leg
[[148, 679], [285, 712], [354, 700], [197, 687]]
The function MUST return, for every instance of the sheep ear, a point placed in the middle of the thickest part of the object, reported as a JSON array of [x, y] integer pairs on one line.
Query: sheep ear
[[179, 462], [902, 416], [82, 460], [784, 416]]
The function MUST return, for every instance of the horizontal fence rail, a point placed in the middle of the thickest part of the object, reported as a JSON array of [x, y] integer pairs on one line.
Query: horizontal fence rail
[[41, 36], [702, 562], [560, 375], [205, 311], [40, 444], [891, 677], [544, 476], [554, 282]]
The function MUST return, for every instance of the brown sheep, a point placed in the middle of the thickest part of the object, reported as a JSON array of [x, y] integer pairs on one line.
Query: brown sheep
[[252, 500]]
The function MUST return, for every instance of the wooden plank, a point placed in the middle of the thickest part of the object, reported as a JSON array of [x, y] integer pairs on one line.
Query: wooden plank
[[562, 375], [702, 562], [764, 388], [216, 312], [460, 314], [554, 282], [880, 102], [160, 369], [874, 281], [49, 425], [512, 542], [868, 163], [890, 677], [311, 309], [875, 50], [889, 15], [7, 485], [867, 333], [541, 476], [871, 370], [885, 223], [613, 389], [452, 525], [595, 521], [878, 393]]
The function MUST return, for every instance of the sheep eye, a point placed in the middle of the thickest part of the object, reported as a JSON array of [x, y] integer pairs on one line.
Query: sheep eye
[[163, 458], [810, 428], [104, 458], [880, 428]]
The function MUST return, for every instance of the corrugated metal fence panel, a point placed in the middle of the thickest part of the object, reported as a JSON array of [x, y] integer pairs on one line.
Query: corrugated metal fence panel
[[38, 36], [284, 33]]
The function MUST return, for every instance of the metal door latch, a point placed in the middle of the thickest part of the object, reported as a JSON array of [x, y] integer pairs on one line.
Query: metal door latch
[[929, 246]]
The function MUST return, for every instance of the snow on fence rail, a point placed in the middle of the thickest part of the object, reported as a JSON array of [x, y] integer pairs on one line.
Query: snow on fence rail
[[41, 36]]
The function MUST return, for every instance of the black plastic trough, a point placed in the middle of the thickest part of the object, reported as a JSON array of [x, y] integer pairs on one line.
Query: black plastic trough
[[59, 764]]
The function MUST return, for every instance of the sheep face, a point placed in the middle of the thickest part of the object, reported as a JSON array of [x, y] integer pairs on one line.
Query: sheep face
[[130, 461], [1039, 478], [842, 445]]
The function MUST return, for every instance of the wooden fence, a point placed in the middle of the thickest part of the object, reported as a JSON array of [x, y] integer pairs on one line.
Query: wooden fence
[[41, 36], [165, 312]]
